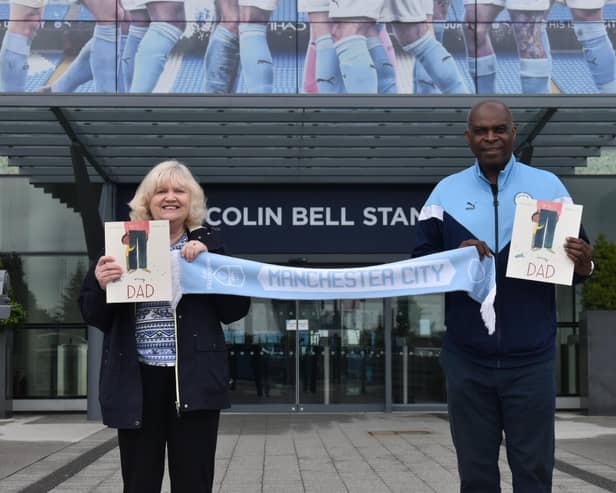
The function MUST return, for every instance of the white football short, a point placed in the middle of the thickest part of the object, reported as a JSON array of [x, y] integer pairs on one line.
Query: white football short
[[313, 6], [133, 4], [406, 10], [356, 8], [260, 4], [35, 4], [532, 5], [584, 4]]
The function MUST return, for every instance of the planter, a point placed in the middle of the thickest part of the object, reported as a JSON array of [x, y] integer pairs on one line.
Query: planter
[[598, 361]]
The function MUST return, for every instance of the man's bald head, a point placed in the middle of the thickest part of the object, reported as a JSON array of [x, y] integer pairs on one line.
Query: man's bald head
[[493, 104]]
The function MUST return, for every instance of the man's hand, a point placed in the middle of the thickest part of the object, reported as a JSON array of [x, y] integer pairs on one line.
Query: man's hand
[[580, 253], [482, 248]]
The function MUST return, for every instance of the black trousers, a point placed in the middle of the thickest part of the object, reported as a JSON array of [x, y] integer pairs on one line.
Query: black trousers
[[138, 254], [190, 440], [485, 403]]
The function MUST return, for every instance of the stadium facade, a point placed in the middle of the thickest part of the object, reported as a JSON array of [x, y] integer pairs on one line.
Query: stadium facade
[[295, 179]]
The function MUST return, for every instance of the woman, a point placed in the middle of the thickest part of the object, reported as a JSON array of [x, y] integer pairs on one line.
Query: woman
[[164, 373]]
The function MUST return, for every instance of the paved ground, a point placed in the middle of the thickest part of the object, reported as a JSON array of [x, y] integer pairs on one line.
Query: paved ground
[[366, 452]]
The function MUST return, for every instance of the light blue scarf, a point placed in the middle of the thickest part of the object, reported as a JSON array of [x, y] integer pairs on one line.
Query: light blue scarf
[[452, 270]]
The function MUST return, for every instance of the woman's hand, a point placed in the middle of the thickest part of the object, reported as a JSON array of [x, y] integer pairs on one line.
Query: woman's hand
[[107, 270], [191, 249]]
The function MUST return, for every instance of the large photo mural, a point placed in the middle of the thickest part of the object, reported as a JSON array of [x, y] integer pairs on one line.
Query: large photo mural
[[308, 46]]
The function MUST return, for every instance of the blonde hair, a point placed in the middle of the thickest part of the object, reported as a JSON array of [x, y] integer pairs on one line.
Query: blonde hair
[[163, 173]]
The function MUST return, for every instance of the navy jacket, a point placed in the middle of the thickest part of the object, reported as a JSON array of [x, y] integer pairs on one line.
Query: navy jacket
[[201, 353], [465, 206]]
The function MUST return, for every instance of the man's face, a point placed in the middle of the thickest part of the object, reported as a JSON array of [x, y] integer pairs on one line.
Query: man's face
[[490, 135]]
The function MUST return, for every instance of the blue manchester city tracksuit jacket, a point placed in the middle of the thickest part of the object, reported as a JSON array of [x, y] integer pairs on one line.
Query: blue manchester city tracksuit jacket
[[466, 206]]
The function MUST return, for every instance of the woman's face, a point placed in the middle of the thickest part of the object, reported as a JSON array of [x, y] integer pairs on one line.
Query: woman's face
[[171, 201]]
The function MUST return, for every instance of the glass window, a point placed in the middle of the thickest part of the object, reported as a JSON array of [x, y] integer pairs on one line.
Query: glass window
[[262, 354], [567, 354], [418, 328], [53, 222], [47, 285], [50, 362], [565, 299]]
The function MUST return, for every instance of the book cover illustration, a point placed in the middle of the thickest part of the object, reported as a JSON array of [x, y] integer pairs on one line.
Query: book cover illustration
[[540, 229], [142, 249]]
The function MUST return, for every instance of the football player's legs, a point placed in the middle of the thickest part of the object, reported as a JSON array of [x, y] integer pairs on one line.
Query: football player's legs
[[436, 11], [321, 63], [417, 38], [356, 66], [139, 20], [222, 55], [353, 21], [481, 57], [385, 67], [596, 45], [440, 9], [318, 22], [255, 54], [535, 62], [25, 17], [166, 28], [103, 47], [78, 72]]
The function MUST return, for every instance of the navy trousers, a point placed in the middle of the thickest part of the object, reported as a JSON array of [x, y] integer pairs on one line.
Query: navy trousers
[[485, 403], [190, 441]]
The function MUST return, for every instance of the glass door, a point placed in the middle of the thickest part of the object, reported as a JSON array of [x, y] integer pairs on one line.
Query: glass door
[[341, 352], [262, 352], [336, 347]]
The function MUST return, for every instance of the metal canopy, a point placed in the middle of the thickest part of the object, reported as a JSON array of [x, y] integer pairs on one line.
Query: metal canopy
[[286, 139]]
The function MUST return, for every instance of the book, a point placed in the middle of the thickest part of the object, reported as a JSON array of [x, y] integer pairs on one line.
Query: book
[[537, 250], [142, 249]]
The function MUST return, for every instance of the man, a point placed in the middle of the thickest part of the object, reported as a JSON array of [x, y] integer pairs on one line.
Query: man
[[505, 382], [527, 22]]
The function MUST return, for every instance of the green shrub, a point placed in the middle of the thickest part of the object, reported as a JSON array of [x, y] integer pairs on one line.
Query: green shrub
[[17, 318], [18, 312], [599, 291]]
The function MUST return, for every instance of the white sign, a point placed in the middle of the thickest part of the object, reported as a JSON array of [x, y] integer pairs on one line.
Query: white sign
[[295, 324], [312, 216], [540, 229], [142, 249]]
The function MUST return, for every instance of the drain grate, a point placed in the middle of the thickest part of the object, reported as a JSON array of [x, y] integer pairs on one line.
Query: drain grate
[[386, 433]]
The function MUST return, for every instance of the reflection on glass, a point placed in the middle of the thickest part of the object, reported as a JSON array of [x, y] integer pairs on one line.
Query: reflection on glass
[[565, 303], [417, 337], [47, 286], [54, 223], [567, 358], [342, 352], [262, 354], [50, 362]]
